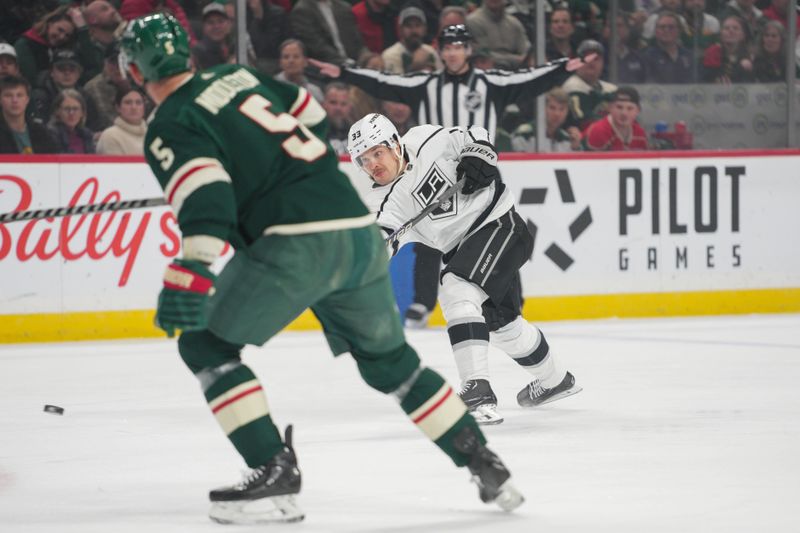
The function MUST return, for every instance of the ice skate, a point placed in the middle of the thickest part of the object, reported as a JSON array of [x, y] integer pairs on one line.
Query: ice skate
[[534, 394], [265, 495], [477, 394], [417, 316], [488, 472]]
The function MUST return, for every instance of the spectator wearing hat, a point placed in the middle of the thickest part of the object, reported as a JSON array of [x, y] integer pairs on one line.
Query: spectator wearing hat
[[126, 136], [268, 26], [666, 60], [67, 124], [618, 131], [410, 53], [376, 20], [588, 94], [18, 135], [8, 61], [102, 89], [328, 30], [216, 45], [63, 27], [64, 73], [500, 33]]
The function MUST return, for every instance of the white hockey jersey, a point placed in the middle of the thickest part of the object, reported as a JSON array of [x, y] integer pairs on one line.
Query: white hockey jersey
[[433, 155]]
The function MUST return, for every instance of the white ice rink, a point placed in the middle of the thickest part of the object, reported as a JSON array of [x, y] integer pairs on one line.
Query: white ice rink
[[683, 425]]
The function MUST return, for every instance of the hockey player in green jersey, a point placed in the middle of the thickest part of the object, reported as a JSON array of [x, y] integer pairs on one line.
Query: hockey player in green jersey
[[240, 159]]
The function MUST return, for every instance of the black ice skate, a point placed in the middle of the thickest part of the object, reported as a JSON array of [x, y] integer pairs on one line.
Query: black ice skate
[[417, 316], [488, 472], [479, 397], [534, 394], [265, 495]]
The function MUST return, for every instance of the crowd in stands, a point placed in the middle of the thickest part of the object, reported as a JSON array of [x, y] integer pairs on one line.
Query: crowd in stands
[[61, 89]]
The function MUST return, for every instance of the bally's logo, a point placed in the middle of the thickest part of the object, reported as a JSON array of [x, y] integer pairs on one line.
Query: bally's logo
[[429, 189], [557, 252]]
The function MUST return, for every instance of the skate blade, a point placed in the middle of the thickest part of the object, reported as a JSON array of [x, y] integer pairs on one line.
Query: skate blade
[[276, 509], [509, 497], [487, 415]]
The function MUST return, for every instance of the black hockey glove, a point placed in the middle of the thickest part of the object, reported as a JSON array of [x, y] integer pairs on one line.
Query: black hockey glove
[[478, 165]]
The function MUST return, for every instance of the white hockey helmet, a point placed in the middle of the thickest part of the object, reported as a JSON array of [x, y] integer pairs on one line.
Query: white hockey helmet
[[372, 130]]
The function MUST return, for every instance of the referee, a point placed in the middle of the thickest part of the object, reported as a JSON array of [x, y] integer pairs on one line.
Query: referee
[[458, 95]]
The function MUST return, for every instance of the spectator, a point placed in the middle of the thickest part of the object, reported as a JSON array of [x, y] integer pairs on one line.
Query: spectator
[[216, 46], [105, 23], [666, 60], [618, 131], [700, 24], [101, 91], [328, 29], [747, 11], [338, 107], [769, 64], [410, 53], [376, 20], [8, 61], [399, 114], [588, 94], [64, 73], [67, 124], [560, 32], [777, 10], [17, 134], [560, 136], [293, 62], [62, 27], [667, 6], [730, 61], [268, 26], [126, 136], [500, 33], [630, 65], [131, 9]]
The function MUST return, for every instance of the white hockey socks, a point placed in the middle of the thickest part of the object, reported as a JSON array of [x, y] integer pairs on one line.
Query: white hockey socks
[[469, 335], [526, 344]]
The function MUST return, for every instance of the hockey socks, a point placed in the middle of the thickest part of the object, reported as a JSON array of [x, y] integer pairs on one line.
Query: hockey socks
[[438, 412], [469, 338], [527, 345], [240, 406]]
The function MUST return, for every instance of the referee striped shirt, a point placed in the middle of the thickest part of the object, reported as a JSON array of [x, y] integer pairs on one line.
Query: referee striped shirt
[[475, 98]]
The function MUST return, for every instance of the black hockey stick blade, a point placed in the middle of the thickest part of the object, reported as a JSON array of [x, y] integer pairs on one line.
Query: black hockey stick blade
[[433, 206], [35, 214]]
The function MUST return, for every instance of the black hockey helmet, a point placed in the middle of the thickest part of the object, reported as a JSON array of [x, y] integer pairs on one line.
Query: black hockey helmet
[[455, 33]]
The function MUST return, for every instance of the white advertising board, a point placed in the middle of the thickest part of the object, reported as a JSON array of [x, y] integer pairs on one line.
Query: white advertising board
[[649, 224]]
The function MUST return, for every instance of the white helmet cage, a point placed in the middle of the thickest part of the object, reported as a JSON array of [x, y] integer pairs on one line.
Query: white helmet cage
[[372, 130]]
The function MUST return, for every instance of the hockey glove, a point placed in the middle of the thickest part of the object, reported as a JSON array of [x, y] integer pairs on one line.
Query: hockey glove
[[478, 165], [181, 304]]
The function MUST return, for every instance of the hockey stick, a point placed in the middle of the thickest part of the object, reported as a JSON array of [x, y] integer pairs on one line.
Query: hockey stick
[[433, 206], [36, 214]]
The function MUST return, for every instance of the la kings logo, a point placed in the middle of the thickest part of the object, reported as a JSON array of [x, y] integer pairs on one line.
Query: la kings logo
[[429, 188]]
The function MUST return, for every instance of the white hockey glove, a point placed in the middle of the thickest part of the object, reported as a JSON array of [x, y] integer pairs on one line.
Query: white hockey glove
[[478, 165]]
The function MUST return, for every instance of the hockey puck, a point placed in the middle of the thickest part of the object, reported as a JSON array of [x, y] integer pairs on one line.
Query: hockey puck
[[54, 409]]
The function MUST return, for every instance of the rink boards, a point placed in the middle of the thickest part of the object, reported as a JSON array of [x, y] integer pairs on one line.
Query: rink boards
[[691, 233]]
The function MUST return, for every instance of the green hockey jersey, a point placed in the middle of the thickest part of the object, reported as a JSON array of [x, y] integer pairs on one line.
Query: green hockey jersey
[[240, 154]]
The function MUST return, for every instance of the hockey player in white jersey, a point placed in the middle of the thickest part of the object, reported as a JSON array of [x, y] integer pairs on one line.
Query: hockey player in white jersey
[[484, 241]]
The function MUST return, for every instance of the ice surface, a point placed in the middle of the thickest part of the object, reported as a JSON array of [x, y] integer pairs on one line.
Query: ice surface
[[683, 425]]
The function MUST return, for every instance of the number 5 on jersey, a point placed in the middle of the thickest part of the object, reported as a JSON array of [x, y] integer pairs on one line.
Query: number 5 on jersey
[[256, 108]]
